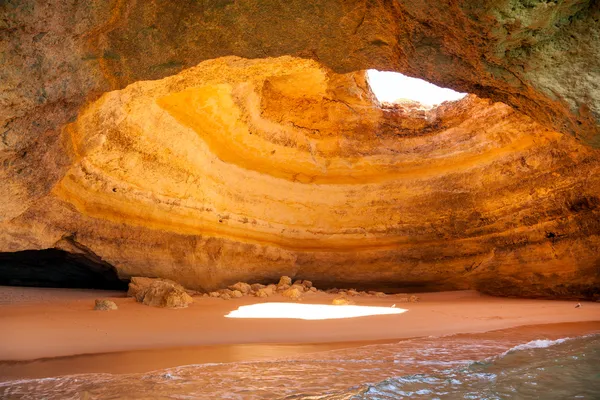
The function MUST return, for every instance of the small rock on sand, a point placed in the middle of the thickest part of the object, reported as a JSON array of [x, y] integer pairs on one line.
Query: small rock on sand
[[243, 287], [404, 298], [264, 292], [293, 293], [225, 296], [282, 288], [301, 288], [105, 305], [256, 287], [285, 280], [341, 301]]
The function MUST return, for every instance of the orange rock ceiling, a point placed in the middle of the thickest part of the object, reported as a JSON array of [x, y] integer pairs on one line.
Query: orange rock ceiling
[[248, 169], [131, 132]]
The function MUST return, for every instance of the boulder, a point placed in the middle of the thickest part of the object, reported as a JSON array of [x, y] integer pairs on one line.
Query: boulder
[[236, 294], [138, 286], [264, 292], [256, 287], [283, 288], [300, 288], [243, 287], [158, 292], [341, 301], [307, 284], [105, 305], [293, 293], [285, 280]]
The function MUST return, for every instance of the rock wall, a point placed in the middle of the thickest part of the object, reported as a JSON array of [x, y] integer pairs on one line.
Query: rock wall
[[541, 57], [244, 170]]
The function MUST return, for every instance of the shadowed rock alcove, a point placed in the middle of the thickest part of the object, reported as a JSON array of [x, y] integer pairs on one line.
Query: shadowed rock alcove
[[58, 269]]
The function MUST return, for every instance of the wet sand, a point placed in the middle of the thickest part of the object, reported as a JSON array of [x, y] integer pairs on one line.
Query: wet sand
[[60, 329]]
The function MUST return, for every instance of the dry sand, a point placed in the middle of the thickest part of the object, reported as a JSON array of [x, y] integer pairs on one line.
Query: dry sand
[[57, 324]]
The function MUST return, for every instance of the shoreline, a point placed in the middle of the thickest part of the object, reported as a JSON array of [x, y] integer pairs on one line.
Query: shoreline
[[149, 360], [51, 332]]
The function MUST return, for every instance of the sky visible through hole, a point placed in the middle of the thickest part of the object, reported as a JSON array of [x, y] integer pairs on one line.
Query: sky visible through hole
[[389, 87]]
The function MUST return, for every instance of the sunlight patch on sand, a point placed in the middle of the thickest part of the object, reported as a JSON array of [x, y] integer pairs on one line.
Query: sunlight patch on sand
[[309, 311]]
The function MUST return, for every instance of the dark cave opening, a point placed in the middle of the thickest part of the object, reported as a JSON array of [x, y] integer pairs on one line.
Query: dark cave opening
[[58, 269]]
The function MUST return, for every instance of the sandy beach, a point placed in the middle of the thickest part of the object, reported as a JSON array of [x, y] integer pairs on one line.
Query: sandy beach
[[60, 329]]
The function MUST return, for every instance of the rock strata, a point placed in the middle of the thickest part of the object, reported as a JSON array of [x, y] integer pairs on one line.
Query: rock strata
[[243, 170]]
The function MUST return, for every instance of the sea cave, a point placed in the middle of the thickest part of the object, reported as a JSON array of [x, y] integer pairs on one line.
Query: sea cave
[[225, 158]]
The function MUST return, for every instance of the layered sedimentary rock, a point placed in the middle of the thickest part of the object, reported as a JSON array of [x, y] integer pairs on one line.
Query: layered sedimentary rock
[[541, 57], [244, 170]]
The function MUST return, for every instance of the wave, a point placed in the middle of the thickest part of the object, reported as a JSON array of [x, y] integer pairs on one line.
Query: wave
[[421, 368], [535, 344]]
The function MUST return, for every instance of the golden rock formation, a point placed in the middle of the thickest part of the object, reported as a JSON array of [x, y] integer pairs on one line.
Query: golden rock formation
[[244, 170], [540, 57]]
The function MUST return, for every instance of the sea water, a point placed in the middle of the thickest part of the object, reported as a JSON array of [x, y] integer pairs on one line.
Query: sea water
[[484, 366]]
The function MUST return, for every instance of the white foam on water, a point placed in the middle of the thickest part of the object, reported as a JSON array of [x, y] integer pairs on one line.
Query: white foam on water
[[535, 344]]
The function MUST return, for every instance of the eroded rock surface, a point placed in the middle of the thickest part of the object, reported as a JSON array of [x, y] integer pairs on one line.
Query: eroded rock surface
[[241, 170], [542, 57]]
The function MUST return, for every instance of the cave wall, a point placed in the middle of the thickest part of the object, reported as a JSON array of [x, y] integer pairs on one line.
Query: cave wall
[[496, 196], [248, 169], [541, 57]]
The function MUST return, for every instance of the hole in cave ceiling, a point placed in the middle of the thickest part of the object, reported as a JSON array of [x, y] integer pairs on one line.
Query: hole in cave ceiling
[[393, 87]]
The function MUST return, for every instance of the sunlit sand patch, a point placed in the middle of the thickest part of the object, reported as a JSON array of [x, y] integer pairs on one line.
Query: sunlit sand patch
[[309, 311]]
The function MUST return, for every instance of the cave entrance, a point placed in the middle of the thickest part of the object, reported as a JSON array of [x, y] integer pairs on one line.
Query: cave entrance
[[58, 269], [393, 88]]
